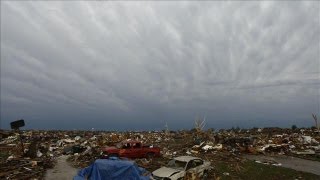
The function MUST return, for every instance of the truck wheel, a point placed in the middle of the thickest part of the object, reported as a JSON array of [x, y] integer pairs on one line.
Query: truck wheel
[[150, 155]]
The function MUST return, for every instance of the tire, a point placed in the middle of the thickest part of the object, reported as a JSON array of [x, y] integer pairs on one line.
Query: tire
[[150, 155], [205, 175]]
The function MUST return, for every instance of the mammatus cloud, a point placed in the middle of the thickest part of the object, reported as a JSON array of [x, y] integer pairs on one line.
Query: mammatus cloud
[[137, 65]]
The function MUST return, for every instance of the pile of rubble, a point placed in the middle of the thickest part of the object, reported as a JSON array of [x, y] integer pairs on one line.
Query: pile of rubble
[[41, 147], [25, 158]]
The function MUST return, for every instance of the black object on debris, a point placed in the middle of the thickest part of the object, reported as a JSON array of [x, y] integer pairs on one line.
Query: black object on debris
[[17, 124]]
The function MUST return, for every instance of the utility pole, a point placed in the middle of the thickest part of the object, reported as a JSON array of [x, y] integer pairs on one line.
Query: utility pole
[[15, 125]]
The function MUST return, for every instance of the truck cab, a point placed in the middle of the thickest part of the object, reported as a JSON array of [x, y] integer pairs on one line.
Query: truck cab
[[131, 149]]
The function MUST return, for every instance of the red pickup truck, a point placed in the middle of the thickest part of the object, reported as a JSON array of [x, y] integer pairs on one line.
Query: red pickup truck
[[131, 149]]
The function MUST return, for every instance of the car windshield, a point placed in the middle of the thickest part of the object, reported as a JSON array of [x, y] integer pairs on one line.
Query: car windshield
[[175, 164]]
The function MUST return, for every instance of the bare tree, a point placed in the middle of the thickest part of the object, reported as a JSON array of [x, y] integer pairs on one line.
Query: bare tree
[[199, 124], [315, 120], [166, 129]]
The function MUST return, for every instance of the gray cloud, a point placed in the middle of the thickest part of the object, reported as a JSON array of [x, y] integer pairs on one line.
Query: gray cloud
[[136, 65]]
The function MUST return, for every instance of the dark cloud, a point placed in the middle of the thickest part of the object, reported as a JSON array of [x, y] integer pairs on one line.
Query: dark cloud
[[137, 65]]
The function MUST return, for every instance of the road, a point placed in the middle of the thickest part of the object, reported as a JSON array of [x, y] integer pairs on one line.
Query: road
[[291, 162], [62, 170]]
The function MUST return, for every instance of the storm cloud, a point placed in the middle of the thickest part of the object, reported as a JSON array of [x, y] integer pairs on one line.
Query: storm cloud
[[137, 65]]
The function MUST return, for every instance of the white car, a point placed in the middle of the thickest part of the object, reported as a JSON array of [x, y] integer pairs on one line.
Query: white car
[[182, 166]]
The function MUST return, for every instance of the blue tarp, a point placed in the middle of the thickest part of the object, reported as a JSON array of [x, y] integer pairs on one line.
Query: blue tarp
[[113, 169]]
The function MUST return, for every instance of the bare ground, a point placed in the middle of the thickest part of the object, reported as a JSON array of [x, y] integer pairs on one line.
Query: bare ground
[[291, 162], [62, 170]]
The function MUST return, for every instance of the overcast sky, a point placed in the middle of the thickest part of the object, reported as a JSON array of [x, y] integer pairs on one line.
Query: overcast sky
[[138, 65]]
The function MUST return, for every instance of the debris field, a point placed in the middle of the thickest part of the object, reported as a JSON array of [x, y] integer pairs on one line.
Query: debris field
[[28, 154]]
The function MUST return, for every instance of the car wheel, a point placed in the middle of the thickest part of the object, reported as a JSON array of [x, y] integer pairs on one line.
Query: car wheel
[[205, 175]]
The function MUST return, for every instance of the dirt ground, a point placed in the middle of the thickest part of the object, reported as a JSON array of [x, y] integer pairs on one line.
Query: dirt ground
[[62, 170], [291, 162]]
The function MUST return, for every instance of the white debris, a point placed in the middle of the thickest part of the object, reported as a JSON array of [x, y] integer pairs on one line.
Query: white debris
[[10, 158], [217, 147], [39, 154], [77, 138], [207, 147], [27, 168], [306, 139], [93, 138], [69, 141], [226, 173], [292, 146]]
